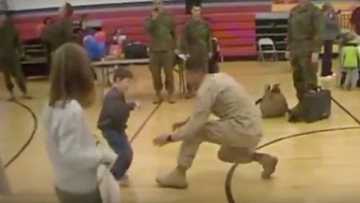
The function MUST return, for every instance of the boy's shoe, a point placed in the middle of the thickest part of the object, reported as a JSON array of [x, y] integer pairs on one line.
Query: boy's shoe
[[124, 181]]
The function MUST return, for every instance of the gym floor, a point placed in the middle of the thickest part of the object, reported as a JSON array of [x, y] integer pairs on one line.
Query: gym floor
[[316, 168]]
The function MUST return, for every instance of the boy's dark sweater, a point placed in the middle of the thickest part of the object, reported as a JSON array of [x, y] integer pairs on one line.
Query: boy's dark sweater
[[115, 111]]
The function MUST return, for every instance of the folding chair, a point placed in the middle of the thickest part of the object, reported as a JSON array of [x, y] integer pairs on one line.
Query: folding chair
[[267, 46], [180, 69]]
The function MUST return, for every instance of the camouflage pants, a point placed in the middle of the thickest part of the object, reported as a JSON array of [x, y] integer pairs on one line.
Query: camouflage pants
[[159, 61], [304, 75], [14, 72]]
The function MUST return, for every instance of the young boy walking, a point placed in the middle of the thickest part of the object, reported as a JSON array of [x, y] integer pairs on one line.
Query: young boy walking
[[113, 123]]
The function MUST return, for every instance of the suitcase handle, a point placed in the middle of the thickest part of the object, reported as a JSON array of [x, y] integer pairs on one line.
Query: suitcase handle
[[317, 89]]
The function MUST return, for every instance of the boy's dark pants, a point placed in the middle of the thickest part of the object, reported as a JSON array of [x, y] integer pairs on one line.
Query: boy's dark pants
[[120, 144]]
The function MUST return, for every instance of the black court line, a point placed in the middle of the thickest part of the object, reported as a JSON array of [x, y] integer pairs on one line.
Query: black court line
[[230, 174], [36, 124], [346, 110], [27, 143], [142, 126]]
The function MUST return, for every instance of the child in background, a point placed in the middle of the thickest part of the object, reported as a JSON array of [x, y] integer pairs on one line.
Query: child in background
[[113, 123], [350, 61], [71, 147]]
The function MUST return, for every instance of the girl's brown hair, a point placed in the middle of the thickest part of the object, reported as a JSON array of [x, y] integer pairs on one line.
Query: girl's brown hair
[[71, 76]]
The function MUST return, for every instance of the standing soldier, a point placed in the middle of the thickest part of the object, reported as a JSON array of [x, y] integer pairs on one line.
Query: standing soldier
[[189, 5], [161, 29], [197, 43], [10, 53], [61, 31], [304, 43]]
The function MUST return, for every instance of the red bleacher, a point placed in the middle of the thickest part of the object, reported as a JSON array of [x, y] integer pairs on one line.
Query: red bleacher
[[233, 25]]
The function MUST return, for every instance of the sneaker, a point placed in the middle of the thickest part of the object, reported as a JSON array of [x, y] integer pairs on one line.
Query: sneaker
[[124, 181], [175, 179]]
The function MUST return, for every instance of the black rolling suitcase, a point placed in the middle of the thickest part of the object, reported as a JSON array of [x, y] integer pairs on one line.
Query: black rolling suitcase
[[316, 105]]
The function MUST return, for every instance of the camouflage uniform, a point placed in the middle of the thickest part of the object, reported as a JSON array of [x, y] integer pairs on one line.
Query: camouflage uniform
[[58, 34], [197, 43], [10, 52], [162, 34], [304, 38]]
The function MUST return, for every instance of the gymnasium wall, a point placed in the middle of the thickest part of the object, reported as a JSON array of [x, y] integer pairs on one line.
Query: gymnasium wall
[[23, 5], [19, 5]]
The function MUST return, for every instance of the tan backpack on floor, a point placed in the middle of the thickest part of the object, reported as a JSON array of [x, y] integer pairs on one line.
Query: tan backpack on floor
[[273, 103]]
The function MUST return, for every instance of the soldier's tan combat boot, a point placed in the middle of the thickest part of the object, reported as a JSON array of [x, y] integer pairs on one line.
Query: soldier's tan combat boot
[[175, 179], [159, 98], [269, 164], [171, 99]]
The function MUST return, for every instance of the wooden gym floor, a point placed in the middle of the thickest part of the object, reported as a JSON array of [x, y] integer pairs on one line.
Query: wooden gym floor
[[317, 168]]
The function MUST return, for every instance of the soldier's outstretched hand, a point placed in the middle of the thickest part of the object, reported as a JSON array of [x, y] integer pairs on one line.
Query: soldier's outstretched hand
[[178, 125], [162, 140]]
